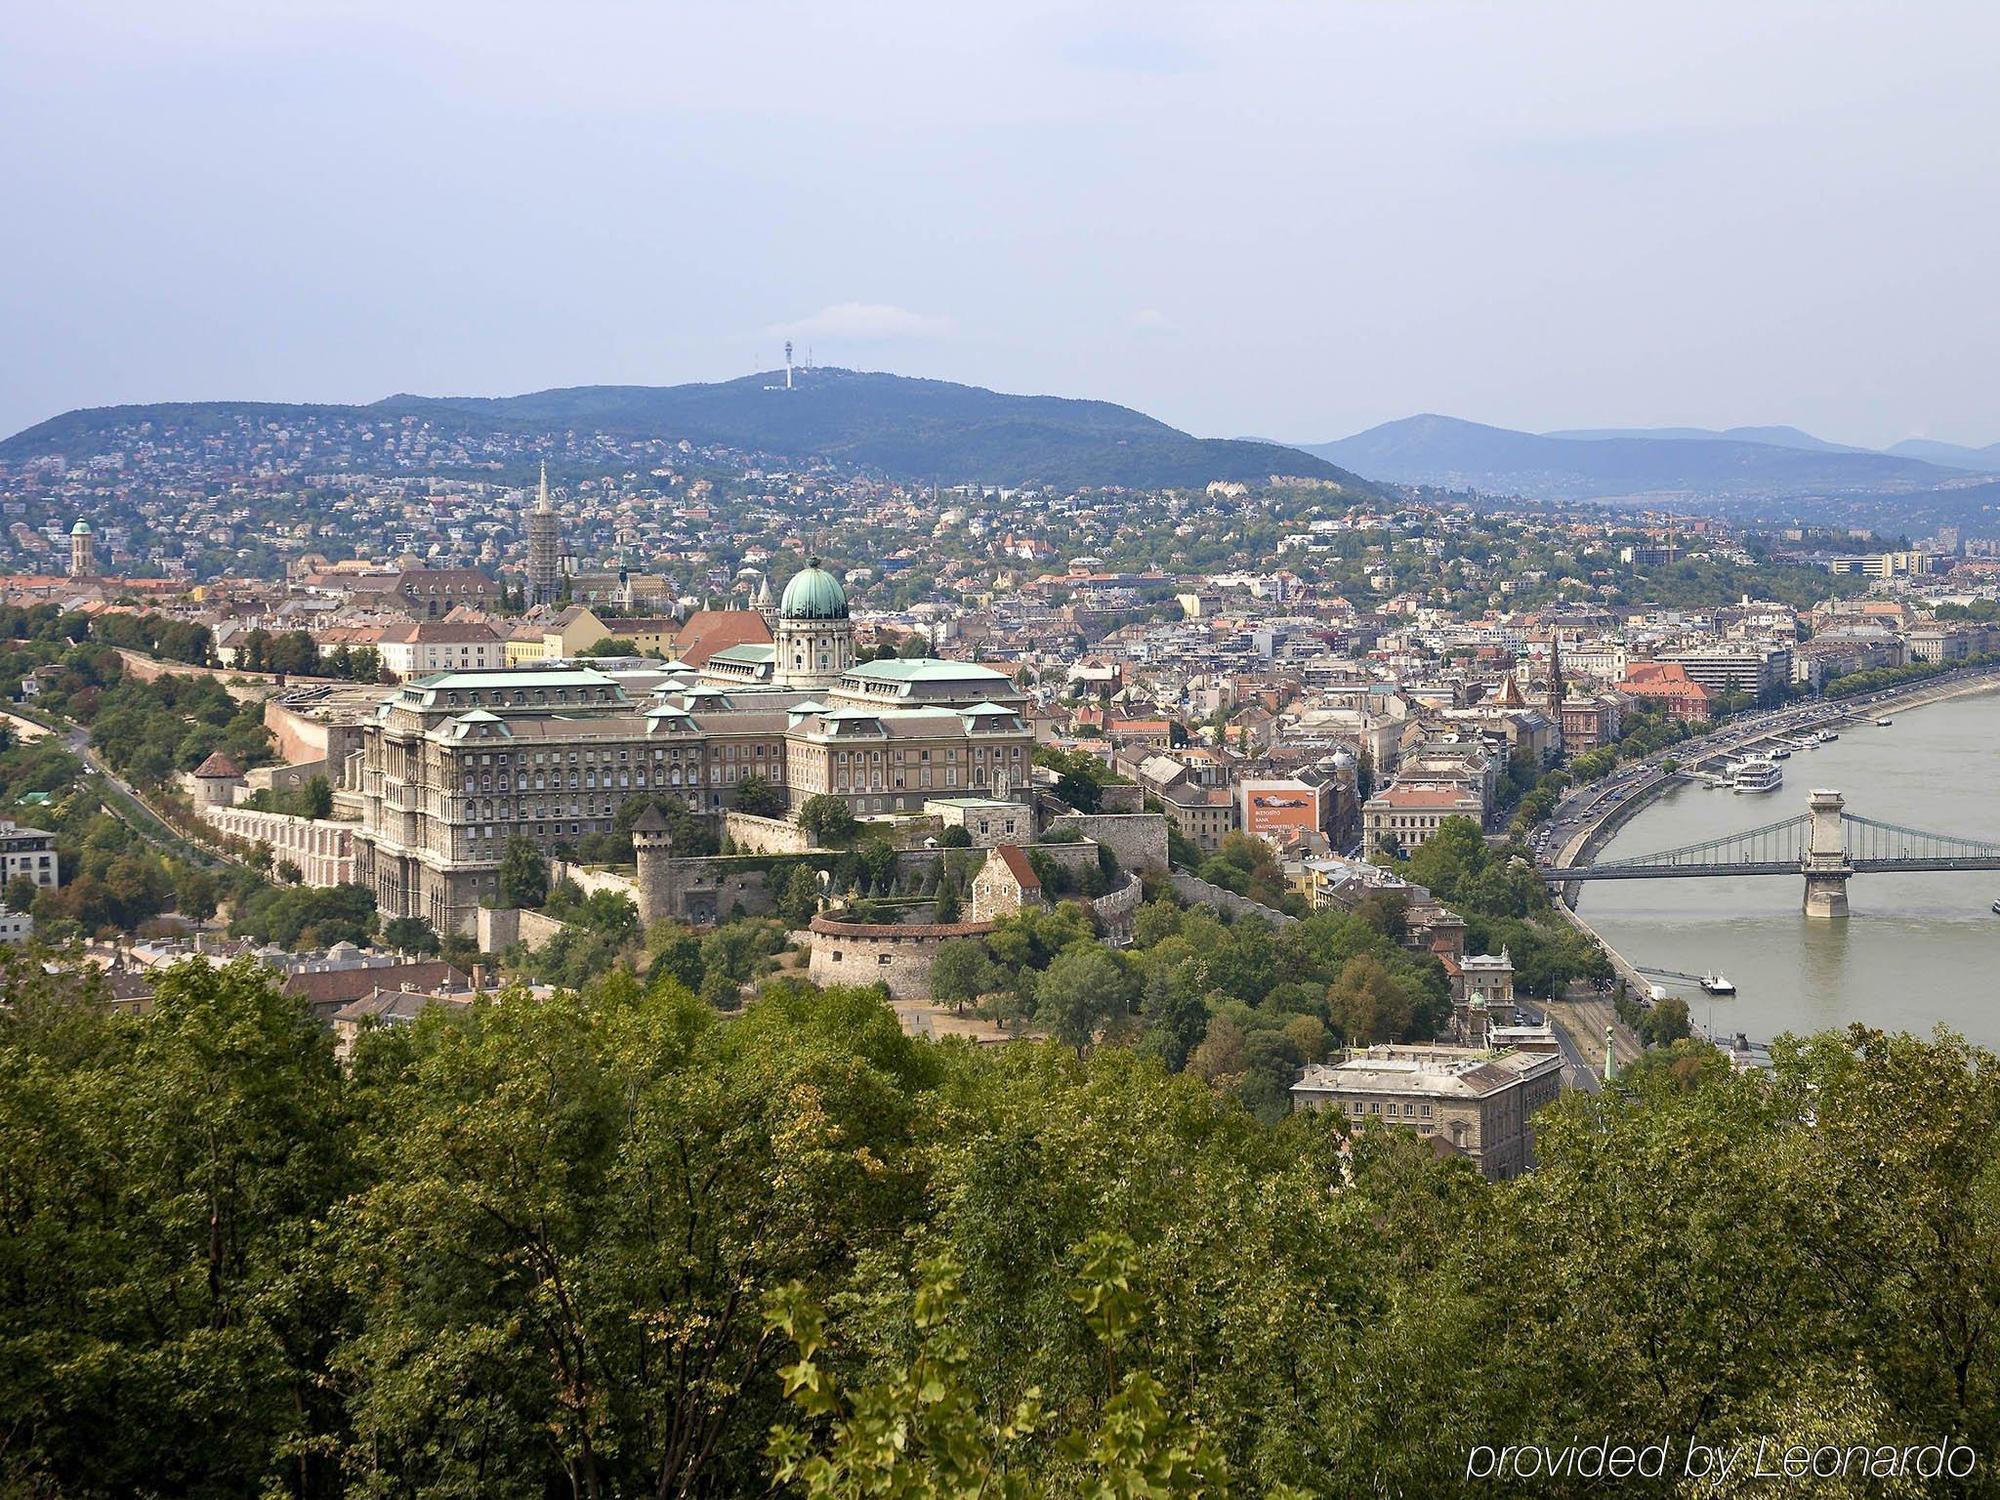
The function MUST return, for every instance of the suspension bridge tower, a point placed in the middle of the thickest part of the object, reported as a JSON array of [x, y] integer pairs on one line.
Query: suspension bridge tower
[[1826, 864]]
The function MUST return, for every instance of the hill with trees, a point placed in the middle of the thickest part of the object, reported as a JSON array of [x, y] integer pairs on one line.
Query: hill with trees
[[892, 424]]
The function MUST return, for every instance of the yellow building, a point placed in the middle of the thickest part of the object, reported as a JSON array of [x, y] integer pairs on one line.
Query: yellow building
[[555, 637]]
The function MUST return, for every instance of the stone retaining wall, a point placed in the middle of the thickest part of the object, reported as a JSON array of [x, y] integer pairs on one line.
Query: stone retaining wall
[[590, 879], [500, 928], [890, 954], [1139, 839], [1119, 910], [1193, 888], [754, 835]]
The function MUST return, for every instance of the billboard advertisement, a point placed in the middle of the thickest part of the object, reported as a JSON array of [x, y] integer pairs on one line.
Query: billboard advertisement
[[1281, 810]]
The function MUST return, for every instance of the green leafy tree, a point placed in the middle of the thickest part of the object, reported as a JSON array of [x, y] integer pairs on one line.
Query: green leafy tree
[[20, 893], [676, 955], [828, 821], [1668, 1022], [1084, 990], [1368, 1003], [1080, 776], [169, 1186], [410, 935], [878, 865], [305, 915], [922, 1429], [615, 1179], [960, 973], [800, 898], [757, 796], [317, 798], [524, 874]]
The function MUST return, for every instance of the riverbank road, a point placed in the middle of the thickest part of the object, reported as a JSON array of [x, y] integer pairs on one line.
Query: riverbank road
[[1579, 1024]]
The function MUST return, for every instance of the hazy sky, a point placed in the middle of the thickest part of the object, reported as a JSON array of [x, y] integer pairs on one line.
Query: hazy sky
[[1292, 219]]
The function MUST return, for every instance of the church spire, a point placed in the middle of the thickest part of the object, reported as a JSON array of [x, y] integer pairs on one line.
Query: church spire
[[1556, 668], [542, 497]]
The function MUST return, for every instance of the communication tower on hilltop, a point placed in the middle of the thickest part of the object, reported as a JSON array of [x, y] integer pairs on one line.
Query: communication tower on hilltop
[[788, 364]]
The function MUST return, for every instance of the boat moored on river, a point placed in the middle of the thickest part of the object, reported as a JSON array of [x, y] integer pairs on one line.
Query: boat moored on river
[[1757, 774]]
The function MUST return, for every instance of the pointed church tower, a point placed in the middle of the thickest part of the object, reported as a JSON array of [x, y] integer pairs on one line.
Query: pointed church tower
[[544, 547]]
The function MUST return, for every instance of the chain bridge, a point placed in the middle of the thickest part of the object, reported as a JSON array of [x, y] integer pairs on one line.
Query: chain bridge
[[1826, 845]]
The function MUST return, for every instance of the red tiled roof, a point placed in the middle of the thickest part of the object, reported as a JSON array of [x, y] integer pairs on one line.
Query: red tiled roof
[[711, 630], [1661, 677], [829, 927], [1425, 796], [219, 765], [1018, 866], [441, 632]]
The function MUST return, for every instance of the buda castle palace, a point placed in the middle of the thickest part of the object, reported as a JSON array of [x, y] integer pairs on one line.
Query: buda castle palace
[[455, 764]]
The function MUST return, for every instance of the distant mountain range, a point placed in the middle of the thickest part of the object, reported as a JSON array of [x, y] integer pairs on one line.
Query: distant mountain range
[[1611, 464], [918, 429], [1952, 455], [1772, 437]]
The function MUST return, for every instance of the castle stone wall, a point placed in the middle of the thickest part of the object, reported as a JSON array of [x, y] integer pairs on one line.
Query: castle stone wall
[[1201, 893], [1139, 839], [590, 879], [500, 928], [894, 955], [754, 835]]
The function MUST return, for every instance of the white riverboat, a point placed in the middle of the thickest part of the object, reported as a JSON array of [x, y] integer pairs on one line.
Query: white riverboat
[[1757, 775]]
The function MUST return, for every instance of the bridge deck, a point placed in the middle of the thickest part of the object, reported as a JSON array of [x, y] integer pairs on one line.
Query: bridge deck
[[1565, 874], [1786, 848]]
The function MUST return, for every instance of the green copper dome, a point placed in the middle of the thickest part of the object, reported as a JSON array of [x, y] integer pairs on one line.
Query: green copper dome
[[813, 594], [81, 528]]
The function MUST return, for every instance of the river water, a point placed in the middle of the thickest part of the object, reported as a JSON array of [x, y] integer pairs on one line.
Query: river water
[[1917, 949]]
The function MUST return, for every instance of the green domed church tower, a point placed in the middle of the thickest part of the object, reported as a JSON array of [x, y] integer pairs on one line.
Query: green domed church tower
[[813, 644], [82, 551]]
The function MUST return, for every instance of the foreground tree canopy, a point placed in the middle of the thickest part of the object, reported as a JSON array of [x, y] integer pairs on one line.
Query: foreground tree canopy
[[613, 1243]]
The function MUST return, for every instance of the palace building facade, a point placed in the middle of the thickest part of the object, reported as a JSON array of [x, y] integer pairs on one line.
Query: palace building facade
[[454, 765]]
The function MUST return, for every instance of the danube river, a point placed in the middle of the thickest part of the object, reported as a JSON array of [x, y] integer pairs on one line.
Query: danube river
[[1917, 950]]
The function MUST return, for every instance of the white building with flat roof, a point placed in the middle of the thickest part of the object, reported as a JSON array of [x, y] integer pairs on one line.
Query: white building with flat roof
[[1476, 1103], [30, 852]]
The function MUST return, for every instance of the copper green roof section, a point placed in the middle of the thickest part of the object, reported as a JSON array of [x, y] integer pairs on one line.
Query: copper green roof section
[[813, 594], [924, 669]]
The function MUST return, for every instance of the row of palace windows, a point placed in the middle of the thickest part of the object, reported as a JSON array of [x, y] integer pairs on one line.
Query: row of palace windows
[[522, 698], [589, 759], [590, 781], [922, 757], [485, 838]]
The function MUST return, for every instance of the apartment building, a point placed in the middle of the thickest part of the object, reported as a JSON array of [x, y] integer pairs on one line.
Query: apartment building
[[1481, 1104], [30, 852], [1759, 670], [1406, 814]]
